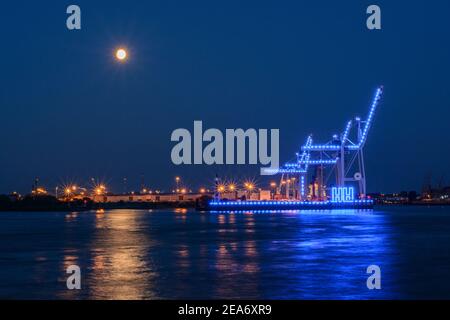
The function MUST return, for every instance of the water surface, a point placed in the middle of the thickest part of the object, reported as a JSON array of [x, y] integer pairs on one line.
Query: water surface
[[140, 254]]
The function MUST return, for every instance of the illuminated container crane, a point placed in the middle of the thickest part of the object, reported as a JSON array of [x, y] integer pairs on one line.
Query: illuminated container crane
[[343, 155]]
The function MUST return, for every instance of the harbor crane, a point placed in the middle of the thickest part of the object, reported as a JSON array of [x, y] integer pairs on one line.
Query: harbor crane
[[343, 155]]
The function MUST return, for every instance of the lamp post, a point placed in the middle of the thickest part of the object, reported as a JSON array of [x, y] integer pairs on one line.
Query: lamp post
[[177, 180], [273, 186], [249, 186], [232, 188]]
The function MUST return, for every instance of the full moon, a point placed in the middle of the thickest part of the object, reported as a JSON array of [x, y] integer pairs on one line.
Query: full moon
[[121, 54]]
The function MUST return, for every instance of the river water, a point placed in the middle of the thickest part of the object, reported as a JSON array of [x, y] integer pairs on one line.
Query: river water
[[179, 254]]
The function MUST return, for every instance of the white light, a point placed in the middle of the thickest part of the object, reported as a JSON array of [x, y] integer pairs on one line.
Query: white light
[[121, 54]]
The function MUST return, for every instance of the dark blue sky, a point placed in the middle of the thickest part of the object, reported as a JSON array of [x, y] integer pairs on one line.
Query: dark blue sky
[[70, 112]]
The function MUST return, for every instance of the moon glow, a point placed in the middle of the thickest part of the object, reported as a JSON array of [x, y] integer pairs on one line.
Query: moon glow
[[121, 54]]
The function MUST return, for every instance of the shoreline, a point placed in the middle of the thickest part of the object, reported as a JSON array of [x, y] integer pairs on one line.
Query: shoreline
[[159, 206], [65, 207]]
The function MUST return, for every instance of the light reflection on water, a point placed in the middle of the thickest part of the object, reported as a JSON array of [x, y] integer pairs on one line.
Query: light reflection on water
[[119, 268], [138, 254]]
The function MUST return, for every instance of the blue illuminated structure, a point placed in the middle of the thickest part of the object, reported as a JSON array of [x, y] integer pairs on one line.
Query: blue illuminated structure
[[343, 155], [342, 194], [288, 205]]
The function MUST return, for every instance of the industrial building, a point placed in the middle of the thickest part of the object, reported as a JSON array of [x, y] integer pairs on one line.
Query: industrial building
[[156, 197]]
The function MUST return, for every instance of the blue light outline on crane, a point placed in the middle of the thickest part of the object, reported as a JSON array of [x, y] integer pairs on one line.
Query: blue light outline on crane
[[342, 194]]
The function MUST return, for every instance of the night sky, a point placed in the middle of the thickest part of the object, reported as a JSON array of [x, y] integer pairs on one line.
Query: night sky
[[69, 111]]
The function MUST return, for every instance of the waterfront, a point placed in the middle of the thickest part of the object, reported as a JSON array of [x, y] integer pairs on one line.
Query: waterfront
[[179, 254]]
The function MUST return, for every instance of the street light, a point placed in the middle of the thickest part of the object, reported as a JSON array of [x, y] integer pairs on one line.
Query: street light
[[249, 187], [273, 185], [177, 180]]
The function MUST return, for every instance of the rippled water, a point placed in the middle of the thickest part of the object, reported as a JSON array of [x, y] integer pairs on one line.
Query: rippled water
[[140, 254]]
